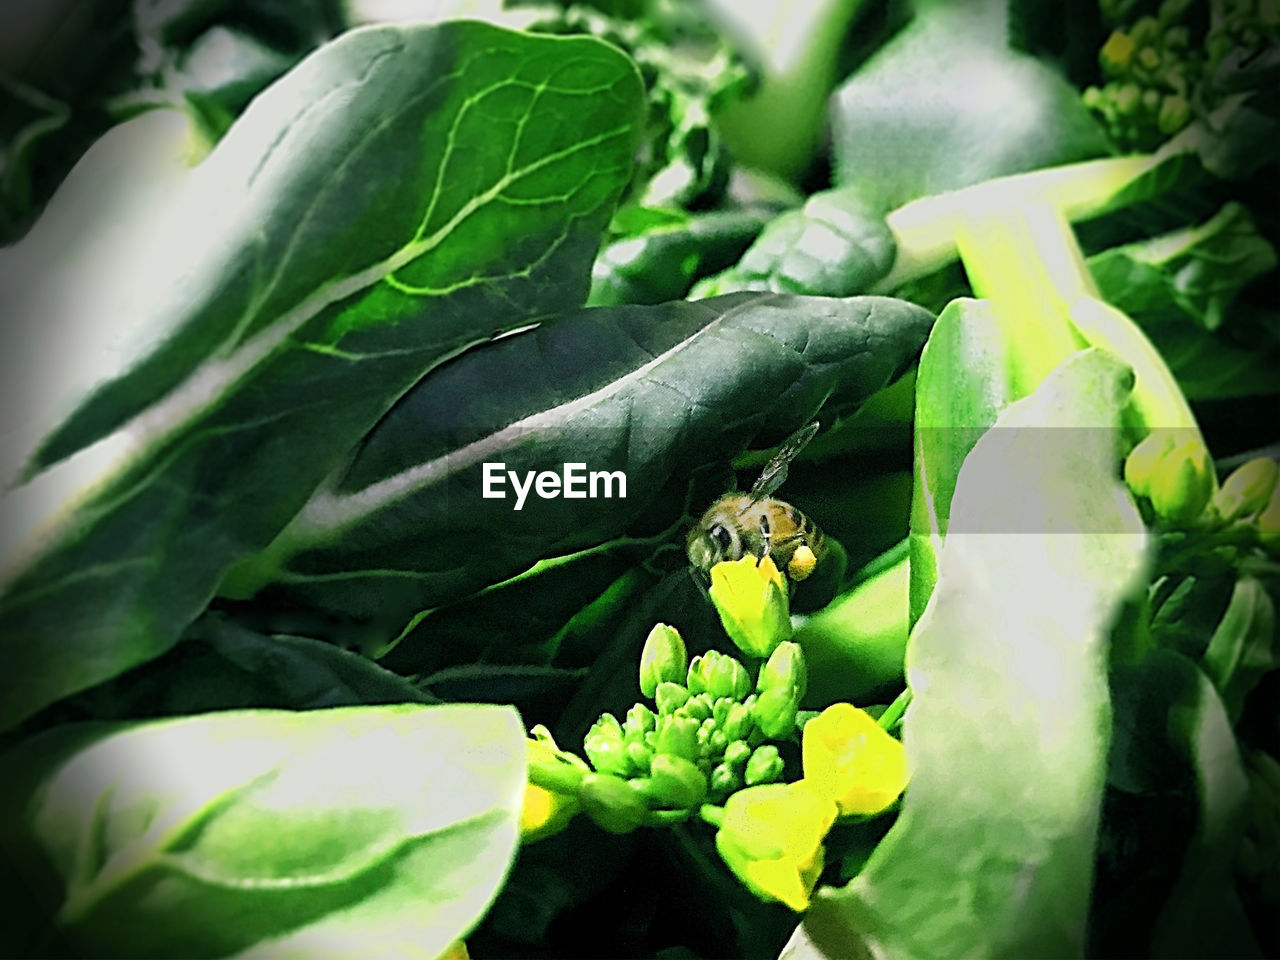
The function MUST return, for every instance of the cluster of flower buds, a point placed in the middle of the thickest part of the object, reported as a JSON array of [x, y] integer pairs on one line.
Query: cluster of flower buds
[[1173, 470], [1250, 498], [1152, 69], [707, 735]]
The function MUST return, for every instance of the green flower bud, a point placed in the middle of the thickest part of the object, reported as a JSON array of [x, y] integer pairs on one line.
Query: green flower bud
[[639, 756], [605, 746], [724, 780], [698, 706], [1247, 489], [717, 742], [663, 659], [640, 720], [676, 782], [705, 729], [727, 678], [1174, 114], [612, 803], [1144, 459], [1267, 522], [1128, 97], [1145, 31], [736, 753], [1184, 482], [720, 710], [775, 712], [737, 724], [670, 697], [696, 679], [785, 668], [677, 736], [765, 766]]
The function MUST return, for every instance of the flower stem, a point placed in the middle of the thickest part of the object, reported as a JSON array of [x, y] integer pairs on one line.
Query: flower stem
[[893, 713], [556, 776]]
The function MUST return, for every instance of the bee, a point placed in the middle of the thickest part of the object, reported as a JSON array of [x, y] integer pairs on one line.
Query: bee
[[755, 523]]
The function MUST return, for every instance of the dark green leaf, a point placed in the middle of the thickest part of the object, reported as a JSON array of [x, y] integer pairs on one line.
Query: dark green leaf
[[27, 117], [835, 245], [660, 393], [1187, 731], [1006, 735], [221, 664], [1199, 270], [517, 621], [662, 262], [350, 241], [1244, 647], [517, 684], [346, 832]]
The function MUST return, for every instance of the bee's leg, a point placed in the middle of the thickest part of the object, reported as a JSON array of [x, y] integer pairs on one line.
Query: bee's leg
[[764, 538], [702, 587]]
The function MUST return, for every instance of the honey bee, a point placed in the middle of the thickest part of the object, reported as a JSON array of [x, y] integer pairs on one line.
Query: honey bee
[[755, 523]]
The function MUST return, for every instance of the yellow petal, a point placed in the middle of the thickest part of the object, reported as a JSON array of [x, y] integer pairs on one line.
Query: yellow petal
[[849, 758]]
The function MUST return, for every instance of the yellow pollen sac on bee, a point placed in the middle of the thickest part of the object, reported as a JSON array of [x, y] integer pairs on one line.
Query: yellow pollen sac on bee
[[802, 563]]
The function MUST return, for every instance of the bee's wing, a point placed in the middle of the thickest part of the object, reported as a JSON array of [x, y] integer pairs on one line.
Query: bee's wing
[[775, 471]]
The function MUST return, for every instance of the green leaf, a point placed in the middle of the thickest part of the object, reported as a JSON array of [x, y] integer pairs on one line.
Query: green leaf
[[1173, 733], [27, 117], [946, 104], [660, 393], [855, 646], [964, 381], [1184, 288], [223, 664], [347, 832], [351, 239], [661, 262], [1197, 271], [1006, 735], [1243, 647], [835, 245]]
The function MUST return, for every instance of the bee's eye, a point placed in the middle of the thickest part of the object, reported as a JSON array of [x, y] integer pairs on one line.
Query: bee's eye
[[720, 534]]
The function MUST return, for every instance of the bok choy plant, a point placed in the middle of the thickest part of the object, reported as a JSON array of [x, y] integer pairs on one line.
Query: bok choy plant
[[522, 479]]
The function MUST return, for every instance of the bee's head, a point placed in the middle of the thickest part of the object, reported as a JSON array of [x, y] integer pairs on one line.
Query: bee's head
[[708, 544]]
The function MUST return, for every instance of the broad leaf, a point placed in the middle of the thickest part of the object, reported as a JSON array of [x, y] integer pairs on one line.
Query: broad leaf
[[835, 245], [355, 230], [1193, 274], [1007, 733], [946, 103], [662, 261], [1173, 894], [965, 379], [371, 831], [221, 664], [656, 393]]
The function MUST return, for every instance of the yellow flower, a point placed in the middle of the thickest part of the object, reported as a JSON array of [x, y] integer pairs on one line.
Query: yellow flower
[[751, 599], [544, 812], [849, 758], [457, 951], [771, 837]]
